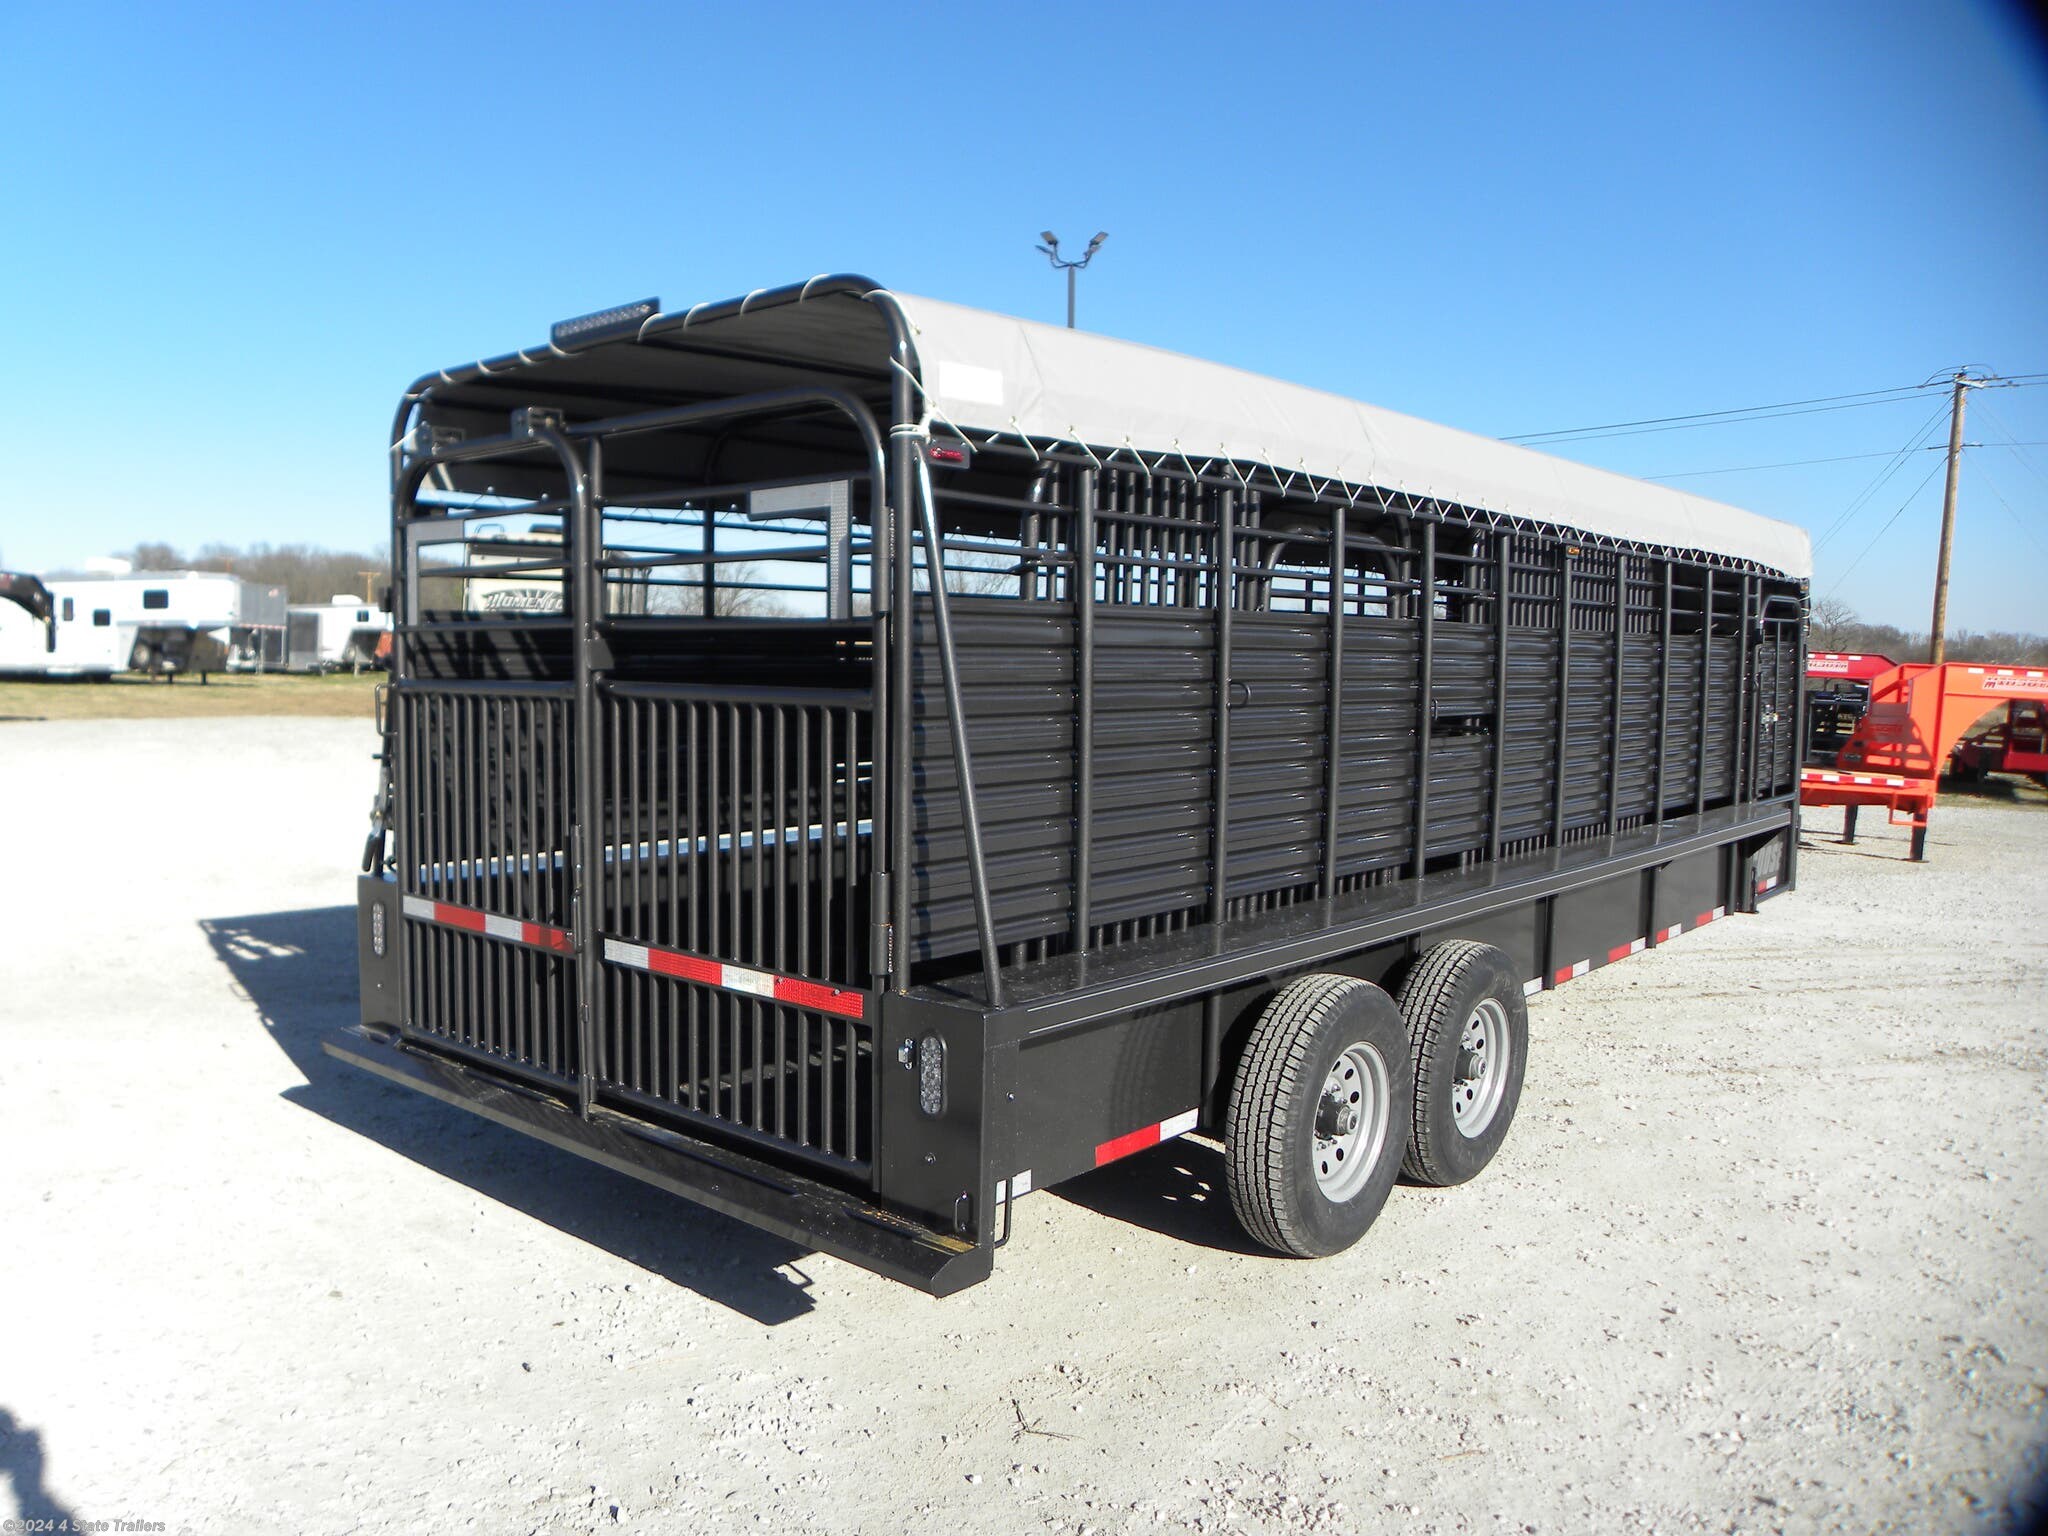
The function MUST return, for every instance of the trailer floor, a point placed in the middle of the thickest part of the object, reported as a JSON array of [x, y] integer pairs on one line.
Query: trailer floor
[[1765, 1252]]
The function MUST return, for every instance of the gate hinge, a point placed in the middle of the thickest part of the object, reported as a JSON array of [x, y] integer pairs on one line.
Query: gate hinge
[[882, 944]]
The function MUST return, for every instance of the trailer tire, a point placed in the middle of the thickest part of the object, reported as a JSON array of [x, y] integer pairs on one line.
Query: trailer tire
[[1312, 1135], [1468, 1027]]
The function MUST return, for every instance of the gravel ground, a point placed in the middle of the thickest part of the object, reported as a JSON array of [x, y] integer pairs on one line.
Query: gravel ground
[[1765, 1251]]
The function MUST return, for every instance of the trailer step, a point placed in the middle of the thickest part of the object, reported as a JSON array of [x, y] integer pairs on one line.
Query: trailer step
[[773, 1199]]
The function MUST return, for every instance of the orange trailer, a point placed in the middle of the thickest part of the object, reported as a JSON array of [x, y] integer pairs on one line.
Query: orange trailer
[[1894, 755]]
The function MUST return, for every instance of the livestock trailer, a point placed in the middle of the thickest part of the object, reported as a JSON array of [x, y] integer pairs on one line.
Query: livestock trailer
[[970, 752], [56, 630], [188, 621], [342, 632]]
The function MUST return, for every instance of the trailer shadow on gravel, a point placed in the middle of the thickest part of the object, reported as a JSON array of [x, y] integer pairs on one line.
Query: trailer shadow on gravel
[[299, 970], [1176, 1190]]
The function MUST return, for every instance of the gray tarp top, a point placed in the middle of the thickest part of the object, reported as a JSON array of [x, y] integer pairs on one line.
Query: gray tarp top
[[983, 372]]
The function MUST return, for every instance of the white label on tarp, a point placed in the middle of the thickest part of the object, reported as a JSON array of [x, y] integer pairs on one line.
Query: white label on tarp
[[970, 382]]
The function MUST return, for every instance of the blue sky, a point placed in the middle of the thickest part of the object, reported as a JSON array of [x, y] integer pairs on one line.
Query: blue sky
[[233, 235]]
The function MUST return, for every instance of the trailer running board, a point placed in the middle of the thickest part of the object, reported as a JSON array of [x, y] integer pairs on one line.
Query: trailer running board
[[801, 1210]]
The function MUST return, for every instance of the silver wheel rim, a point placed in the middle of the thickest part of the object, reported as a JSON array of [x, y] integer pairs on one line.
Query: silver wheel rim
[[1481, 1074], [1351, 1122]]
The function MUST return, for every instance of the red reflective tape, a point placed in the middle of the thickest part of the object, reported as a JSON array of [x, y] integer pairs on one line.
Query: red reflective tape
[[666, 962], [1704, 917], [818, 996], [1620, 952], [458, 917], [543, 937], [1124, 1146]]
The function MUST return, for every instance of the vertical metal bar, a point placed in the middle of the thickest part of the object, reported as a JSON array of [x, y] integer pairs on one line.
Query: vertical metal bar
[[671, 929], [1333, 715], [1798, 738], [710, 568], [852, 861], [1699, 807], [1425, 691], [694, 913], [1564, 689], [1082, 547], [732, 854], [1614, 725], [1746, 712], [584, 526], [760, 834], [1223, 566], [828, 838], [1663, 695], [1503, 577], [461, 810], [548, 869], [963, 758], [778, 790], [803, 1078], [805, 960], [405, 846], [902, 637], [854, 1117], [828, 1029], [621, 870]]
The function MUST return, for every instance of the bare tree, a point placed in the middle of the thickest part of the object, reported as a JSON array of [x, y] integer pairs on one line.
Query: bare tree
[[1831, 625]]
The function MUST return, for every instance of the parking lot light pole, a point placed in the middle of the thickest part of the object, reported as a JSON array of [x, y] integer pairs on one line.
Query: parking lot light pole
[[1052, 254]]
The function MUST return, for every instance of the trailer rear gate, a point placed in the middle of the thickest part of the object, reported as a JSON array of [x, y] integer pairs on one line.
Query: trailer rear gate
[[755, 860]]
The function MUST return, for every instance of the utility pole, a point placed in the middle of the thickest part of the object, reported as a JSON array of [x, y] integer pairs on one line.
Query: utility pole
[[1937, 641]]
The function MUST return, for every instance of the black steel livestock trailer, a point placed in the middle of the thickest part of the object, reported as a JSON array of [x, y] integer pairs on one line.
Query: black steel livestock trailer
[[926, 756]]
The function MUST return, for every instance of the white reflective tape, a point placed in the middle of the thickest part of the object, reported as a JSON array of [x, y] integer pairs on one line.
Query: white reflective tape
[[504, 927], [621, 953], [1020, 1184], [735, 979], [1720, 912], [1579, 968], [1179, 1125], [417, 906], [1532, 986]]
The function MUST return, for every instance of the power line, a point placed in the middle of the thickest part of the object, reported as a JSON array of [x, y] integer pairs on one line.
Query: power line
[[2017, 446], [1745, 412], [1887, 528], [1736, 469], [1739, 414], [1995, 491], [1916, 441]]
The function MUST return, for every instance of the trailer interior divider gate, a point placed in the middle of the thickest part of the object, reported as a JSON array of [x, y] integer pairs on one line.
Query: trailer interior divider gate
[[826, 776]]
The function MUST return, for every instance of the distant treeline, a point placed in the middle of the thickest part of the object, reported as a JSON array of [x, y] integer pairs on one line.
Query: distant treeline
[[308, 573], [1835, 627]]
